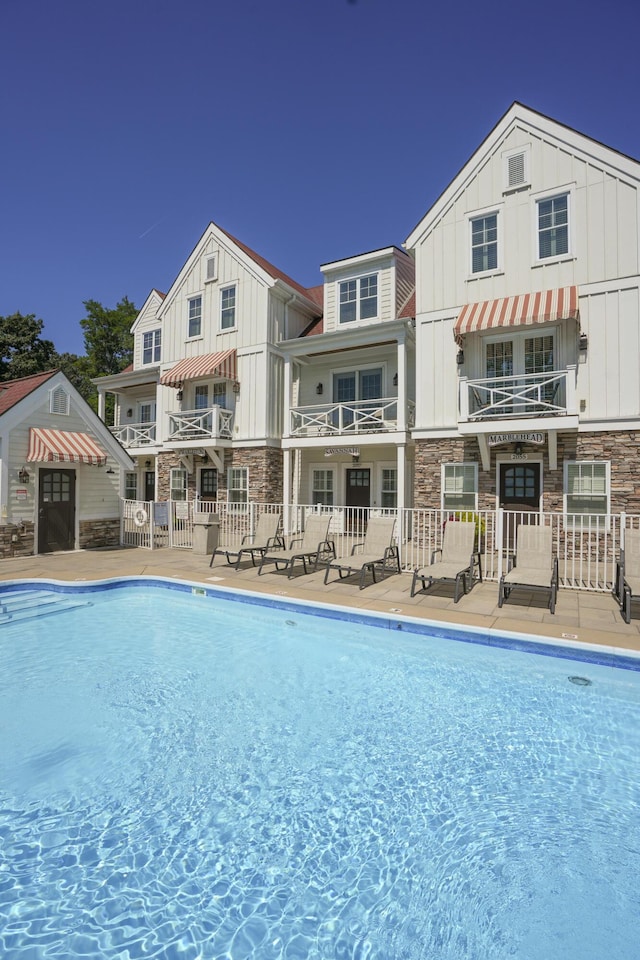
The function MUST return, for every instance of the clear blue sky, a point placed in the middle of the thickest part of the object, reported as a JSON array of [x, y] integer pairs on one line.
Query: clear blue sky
[[310, 129]]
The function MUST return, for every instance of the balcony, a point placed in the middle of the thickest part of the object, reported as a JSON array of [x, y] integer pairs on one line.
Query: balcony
[[135, 434], [536, 395], [348, 419], [212, 423]]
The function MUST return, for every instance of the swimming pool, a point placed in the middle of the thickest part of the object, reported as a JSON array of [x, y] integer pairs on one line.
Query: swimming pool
[[198, 775]]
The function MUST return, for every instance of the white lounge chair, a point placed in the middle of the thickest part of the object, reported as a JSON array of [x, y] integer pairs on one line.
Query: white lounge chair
[[629, 572], [456, 561], [535, 566], [376, 551], [265, 538], [312, 546]]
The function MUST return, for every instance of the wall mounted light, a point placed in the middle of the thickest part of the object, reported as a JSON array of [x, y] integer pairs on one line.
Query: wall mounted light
[[129, 413], [518, 449], [111, 470], [236, 387], [395, 379], [460, 357], [583, 342], [355, 458], [320, 389], [23, 475], [147, 464], [179, 395]]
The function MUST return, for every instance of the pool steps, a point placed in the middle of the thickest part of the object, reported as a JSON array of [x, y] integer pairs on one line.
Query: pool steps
[[27, 604]]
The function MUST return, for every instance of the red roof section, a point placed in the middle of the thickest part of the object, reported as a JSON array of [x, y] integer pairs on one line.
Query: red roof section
[[408, 308], [13, 391]]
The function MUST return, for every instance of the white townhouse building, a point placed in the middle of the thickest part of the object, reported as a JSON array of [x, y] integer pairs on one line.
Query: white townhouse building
[[349, 388], [528, 327], [200, 410]]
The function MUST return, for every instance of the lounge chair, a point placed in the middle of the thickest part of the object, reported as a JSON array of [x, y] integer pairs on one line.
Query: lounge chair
[[535, 566], [264, 539], [312, 546], [457, 558], [629, 575], [377, 552]]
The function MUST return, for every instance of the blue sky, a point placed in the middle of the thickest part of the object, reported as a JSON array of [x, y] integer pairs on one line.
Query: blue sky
[[310, 129]]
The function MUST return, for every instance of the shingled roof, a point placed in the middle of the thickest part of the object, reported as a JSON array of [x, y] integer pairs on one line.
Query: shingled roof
[[13, 391]]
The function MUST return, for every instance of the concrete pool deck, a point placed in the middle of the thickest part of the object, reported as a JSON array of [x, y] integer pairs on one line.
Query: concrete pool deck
[[580, 615]]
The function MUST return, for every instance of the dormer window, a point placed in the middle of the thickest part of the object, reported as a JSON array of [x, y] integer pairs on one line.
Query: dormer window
[[359, 298], [151, 346]]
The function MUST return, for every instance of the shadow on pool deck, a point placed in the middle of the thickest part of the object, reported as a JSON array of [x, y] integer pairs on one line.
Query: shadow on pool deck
[[587, 617]]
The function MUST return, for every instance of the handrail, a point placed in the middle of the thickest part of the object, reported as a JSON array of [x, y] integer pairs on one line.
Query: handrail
[[357, 416], [135, 434], [535, 394], [209, 422]]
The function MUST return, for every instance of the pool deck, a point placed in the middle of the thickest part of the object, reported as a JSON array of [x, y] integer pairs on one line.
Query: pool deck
[[580, 615]]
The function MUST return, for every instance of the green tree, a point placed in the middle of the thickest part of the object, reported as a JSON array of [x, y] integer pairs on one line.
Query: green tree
[[23, 352], [76, 370], [107, 339]]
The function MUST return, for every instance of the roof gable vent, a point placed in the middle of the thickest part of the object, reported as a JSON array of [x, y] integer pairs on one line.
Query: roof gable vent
[[59, 401], [516, 168]]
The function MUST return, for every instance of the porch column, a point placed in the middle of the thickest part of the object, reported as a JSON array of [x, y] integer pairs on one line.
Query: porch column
[[402, 475], [286, 488], [101, 405], [402, 386], [286, 426]]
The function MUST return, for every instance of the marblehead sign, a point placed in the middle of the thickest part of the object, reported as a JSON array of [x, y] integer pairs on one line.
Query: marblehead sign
[[494, 439]]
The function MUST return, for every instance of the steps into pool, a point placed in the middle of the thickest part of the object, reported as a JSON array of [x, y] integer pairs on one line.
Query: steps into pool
[[28, 604]]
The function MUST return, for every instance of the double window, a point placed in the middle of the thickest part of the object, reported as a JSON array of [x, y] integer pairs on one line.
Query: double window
[[459, 486], [151, 346], [195, 317], [228, 307], [358, 298]]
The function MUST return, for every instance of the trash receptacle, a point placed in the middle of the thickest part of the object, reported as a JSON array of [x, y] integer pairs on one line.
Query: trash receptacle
[[206, 533]]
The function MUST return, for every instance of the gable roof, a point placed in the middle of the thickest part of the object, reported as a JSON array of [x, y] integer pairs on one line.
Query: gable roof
[[13, 391], [269, 268], [542, 124]]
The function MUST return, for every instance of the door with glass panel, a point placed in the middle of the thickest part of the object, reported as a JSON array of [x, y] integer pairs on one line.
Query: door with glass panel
[[56, 510], [520, 489], [518, 374], [353, 388], [202, 403]]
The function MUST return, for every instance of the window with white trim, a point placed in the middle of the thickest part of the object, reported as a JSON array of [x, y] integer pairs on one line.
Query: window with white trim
[[389, 488], [322, 487], [459, 486], [151, 346], [178, 483], [220, 395], [358, 298], [587, 487], [59, 401], [484, 243], [130, 486], [238, 485], [195, 316], [553, 226], [228, 308]]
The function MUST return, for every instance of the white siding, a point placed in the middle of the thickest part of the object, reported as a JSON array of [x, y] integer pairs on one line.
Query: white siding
[[385, 268]]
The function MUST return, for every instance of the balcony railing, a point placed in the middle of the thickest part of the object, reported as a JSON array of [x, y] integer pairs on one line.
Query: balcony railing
[[356, 417], [530, 395], [212, 423], [135, 434]]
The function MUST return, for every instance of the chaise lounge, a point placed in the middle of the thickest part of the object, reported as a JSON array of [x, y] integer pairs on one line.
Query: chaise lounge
[[312, 546], [534, 564], [456, 560], [265, 538], [375, 552]]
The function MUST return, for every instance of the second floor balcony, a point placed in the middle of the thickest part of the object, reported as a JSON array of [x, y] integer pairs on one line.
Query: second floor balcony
[[549, 394], [349, 418], [211, 423], [135, 434]]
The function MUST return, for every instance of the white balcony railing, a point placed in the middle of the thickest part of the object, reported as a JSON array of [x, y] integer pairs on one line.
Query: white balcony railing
[[358, 416], [211, 423], [530, 395], [135, 434]]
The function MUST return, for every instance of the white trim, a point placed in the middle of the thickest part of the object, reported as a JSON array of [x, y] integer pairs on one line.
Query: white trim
[[195, 336], [458, 463], [358, 321], [525, 150], [497, 210], [564, 190], [565, 472], [504, 460], [235, 284]]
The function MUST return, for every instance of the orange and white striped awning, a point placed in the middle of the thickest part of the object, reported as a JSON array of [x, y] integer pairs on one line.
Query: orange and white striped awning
[[221, 364], [528, 308], [63, 446]]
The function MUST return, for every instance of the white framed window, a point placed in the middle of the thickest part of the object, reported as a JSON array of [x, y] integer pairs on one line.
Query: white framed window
[[220, 395], [59, 401], [358, 298], [228, 307], [130, 486], [484, 243], [389, 487], [151, 346], [587, 487], [195, 317], [459, 486], [238, 486], [211, 269], [516, 172], [178, 483], [553, 232], [147, 412], [322, 487]]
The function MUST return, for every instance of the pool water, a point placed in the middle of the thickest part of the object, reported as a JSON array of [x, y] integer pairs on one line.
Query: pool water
[[187, 777]]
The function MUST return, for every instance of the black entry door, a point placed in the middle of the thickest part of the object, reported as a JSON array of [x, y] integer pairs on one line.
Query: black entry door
[[56, 510], [520, 495], [358, 495], [149, 485]]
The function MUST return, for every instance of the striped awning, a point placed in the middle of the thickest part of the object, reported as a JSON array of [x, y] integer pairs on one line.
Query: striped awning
[[63, 446], [528, 308], [221, 364]]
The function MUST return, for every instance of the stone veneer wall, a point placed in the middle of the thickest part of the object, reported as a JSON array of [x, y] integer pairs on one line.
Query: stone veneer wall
[[264, 465], [622, 449], [23, 546], [99, 533], [93, 533]]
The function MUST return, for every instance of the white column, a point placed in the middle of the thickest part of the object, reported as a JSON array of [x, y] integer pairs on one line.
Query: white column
[[286, 426], [101, 405], [286, 488], [402, 492], [402, 385]]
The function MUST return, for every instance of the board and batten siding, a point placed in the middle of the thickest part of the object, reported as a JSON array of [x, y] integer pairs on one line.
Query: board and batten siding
[[385, 269], [436, 377], [603, 223], [146, 321]]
